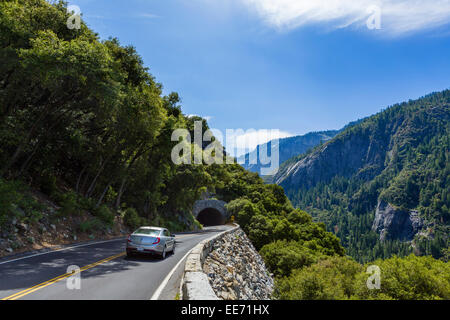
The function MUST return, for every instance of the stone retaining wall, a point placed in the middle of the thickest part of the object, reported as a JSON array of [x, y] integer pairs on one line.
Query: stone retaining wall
[[225, 267]]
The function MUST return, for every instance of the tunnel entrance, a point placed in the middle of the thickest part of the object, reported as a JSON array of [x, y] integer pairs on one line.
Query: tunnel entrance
[[210, 217]]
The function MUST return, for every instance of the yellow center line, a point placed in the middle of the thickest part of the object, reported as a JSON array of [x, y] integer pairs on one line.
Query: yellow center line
[[25, 292]]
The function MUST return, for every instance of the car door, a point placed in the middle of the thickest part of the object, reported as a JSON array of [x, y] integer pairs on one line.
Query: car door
[[169, 239]]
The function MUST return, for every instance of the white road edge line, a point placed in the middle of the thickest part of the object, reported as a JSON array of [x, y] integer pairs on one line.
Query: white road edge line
[[62, 249], [163, 284]]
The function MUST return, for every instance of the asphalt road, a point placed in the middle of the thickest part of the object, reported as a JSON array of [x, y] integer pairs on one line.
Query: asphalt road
[[106, 272]]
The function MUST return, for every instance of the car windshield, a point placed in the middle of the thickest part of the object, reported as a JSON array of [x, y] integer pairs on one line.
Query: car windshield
[[149, 232]]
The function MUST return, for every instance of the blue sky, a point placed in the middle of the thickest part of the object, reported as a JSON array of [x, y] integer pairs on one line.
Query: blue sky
[[292, 65]]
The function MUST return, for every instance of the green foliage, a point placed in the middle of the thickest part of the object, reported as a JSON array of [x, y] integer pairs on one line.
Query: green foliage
[[131, 218], [243, 210], [330, 279], [104, 214], [174, 226], [91, 225], [88, 114], [409, 278], [283, 256], [48, 184], [69, 204], [267, 217], [16, 202], [260, 231], [197, 226], [339, 278]]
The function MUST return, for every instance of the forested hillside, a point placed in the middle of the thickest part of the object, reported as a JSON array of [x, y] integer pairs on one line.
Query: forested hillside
[[83, 120], [392, 165]]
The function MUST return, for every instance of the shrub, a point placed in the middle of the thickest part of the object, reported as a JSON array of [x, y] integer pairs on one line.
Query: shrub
[[409, 278], [282, 257], [283, 229], [131, 218], [15, 201], [48, 184], [69, 204], [90, 225], [87, 204], [330, 279], [260, 231], [8, 197], [299, 217], [174, 226], [243, 210], [104, 214], [197, 226]]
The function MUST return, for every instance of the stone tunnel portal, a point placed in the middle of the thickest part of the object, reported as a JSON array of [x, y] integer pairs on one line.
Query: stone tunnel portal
[[210, 212], [210, 217]]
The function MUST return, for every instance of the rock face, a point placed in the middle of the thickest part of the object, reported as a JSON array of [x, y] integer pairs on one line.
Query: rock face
[[236, 271], [288, 148], [346, 155], [392, 223]]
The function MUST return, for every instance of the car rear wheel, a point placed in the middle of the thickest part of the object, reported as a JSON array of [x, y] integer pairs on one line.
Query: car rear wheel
[[163, 254]]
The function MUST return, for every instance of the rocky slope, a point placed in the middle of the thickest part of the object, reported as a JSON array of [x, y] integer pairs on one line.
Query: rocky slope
[[236, 271], [52, 229], [50, 233]]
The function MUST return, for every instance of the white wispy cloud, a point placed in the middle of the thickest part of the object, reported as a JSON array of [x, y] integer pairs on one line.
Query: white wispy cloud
[[248, 140], [207, 118], [148, 15], [397, 16]]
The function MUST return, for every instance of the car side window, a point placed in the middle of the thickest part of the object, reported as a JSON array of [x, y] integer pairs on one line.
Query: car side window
[[166, 233]]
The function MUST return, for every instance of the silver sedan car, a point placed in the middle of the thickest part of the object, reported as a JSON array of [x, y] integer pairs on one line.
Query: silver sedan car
[[151, 240]]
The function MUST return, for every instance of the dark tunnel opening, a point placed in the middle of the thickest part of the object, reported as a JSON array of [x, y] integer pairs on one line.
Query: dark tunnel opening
[[210, 217]]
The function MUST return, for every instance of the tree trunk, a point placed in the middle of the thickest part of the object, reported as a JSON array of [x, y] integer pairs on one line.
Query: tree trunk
[[77, 188], [121, 191], [26, 163], [35, 125], [103, 195], [86, 178], [140, 152], [94, 181]]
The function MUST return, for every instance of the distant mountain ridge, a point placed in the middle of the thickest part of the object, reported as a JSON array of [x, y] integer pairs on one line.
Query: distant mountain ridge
[[288, 147], [397, 158]]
